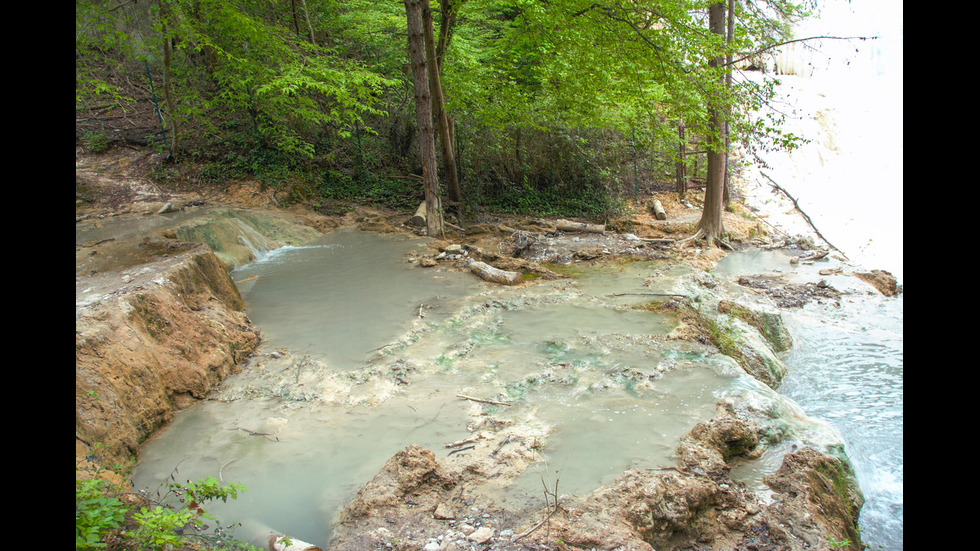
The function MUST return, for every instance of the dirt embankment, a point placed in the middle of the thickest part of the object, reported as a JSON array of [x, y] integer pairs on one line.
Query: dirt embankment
[[159, 323], [149, 341]]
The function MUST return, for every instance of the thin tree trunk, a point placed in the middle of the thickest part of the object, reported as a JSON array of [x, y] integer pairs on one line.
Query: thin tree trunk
[[306, 14], [423, 109], [167, 82], [728, 111], [448, 10], [439, 112], [710, 225], [679, 166], [295, 10]]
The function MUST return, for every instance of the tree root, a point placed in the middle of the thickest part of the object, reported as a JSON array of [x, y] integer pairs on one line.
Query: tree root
[[703, 235], [683, 242]]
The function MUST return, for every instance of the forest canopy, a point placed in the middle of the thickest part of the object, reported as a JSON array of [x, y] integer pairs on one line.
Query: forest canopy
[[556, 107]]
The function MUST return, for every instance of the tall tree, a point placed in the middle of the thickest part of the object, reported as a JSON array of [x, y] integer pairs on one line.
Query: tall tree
[[710, 226], [439, 112], [423, 113]]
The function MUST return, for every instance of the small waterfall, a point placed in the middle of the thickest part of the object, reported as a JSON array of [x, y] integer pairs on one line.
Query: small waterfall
[[258, 244]]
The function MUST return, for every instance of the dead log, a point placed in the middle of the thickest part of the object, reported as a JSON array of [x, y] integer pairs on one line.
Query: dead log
[[658, 210], [489, 273], [567, 225], [419, 218]]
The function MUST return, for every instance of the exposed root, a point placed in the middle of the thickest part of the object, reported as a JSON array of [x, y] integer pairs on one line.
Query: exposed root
[[695, 237]]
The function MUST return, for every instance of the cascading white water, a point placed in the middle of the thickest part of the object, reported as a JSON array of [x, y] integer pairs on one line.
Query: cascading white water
[[845, 95], [847, 369]]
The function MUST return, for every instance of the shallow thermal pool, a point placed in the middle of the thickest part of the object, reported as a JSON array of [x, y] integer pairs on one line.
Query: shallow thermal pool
[[364, 354]]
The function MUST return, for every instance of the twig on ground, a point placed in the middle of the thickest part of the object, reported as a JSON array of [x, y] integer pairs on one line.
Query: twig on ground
[[494, 402]]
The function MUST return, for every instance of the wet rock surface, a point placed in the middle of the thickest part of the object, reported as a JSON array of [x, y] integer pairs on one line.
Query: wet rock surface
[[695, 505]]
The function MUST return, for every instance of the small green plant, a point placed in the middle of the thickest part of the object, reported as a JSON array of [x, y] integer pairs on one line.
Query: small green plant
[[101, 516], [97, 512], [838, 544], [160, 527], [96, 142]]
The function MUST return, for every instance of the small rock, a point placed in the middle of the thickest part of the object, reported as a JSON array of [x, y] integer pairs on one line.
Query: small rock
[[442, 512], [427, 262], [431, 546], [481, 535]]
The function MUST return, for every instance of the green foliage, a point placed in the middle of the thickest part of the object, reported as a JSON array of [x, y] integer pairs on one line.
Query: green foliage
[[553, 102], [160, 527], [96, 142], [97, 512], [101, 515]]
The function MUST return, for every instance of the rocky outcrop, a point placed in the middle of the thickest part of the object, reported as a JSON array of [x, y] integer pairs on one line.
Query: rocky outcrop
[[767, 321], [695, 505], [883, 281], [151, 340]]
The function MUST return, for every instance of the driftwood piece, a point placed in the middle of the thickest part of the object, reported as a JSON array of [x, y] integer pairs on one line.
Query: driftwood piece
[[658, 210], [568, 225], [489, 273], [274, 541]]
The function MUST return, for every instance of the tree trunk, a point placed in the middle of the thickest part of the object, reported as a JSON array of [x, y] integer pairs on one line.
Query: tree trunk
[[439, 112], [729, 38], [710, 225], [449, 10], [306, 15], [423, 110], [295, 11], [168, 84], [679, 166]]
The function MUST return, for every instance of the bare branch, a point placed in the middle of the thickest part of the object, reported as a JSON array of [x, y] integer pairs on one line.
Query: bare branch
[[767, 48]]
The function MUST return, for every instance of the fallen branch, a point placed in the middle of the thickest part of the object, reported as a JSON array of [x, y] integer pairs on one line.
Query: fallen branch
[[535, 527], [494, 402], [470, 440], [662, 241], [646, 295], [460, 450], [254, 433], [222, 468], [796, 205], [567, 225], [816, 256]]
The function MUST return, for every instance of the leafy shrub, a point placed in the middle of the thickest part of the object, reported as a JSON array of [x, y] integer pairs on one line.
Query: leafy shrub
[[97, 512], [101, 516]]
